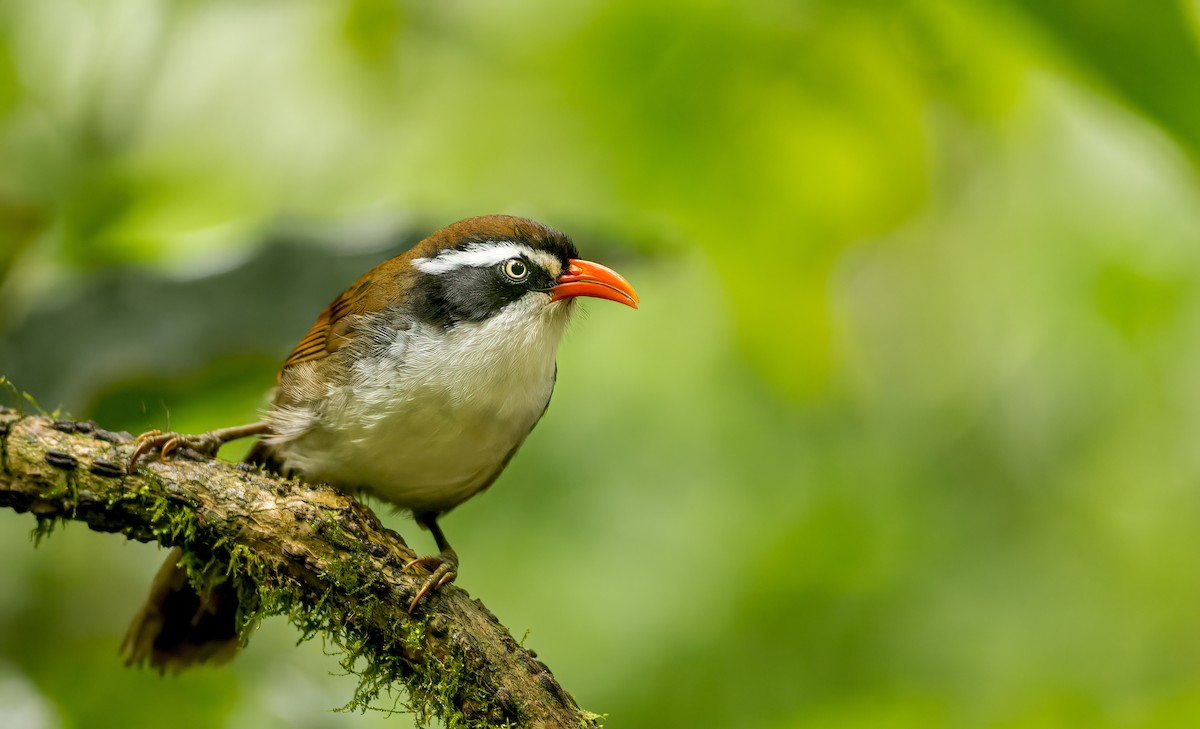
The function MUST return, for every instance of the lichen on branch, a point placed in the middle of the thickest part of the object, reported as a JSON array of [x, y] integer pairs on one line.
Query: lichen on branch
[[308, 552]]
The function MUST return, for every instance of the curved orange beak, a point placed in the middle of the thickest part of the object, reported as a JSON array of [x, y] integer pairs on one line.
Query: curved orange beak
[[584, 278]]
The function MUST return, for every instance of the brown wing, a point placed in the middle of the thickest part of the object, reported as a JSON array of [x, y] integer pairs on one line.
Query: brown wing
[[377, 288], [328, 334]]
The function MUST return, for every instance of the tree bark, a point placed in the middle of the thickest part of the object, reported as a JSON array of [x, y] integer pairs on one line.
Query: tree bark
[[309, 552]]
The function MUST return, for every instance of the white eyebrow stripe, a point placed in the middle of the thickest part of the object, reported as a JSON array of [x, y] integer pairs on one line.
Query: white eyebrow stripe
[[482, 255]]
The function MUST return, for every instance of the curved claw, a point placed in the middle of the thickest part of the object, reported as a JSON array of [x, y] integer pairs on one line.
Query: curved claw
[[143, 444], [168, 447], [445, 569], [168, 443], [149, 434]]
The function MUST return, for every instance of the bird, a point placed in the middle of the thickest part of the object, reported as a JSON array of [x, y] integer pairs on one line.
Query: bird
[[415, 386]]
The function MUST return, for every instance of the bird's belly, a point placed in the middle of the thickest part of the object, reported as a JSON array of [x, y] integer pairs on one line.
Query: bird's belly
[[427, 456]]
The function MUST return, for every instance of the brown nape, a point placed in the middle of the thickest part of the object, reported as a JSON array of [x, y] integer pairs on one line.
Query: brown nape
[[179, 627]]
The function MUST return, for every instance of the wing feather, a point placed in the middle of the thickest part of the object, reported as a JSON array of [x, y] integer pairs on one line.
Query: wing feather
[[380, 287]]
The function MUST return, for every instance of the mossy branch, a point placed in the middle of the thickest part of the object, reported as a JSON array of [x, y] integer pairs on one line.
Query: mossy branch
[[308, 552]]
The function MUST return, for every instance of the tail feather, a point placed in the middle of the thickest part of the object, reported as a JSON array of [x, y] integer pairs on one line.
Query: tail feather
[[179, 627]]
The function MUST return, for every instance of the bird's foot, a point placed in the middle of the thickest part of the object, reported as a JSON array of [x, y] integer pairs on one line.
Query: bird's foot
[[444, 568], [205, 444]]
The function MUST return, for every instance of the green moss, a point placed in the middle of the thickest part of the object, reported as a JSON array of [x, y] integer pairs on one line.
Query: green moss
[[385, 649], [20, 397], [44, 528], [383, 653], [381, 656]]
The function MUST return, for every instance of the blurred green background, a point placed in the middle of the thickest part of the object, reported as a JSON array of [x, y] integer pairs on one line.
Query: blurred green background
[[902, 436]]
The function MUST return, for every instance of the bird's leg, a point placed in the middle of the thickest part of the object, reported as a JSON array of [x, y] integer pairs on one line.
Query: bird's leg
[[444, 564], [206, 444]]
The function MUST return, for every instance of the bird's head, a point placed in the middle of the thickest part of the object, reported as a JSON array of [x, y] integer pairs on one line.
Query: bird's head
[[479, 267]]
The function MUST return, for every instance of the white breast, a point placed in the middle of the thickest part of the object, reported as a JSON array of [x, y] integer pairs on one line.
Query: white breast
[[430, 423]]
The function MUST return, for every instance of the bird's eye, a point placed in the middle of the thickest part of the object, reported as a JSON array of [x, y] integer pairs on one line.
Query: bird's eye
[[516, 269]]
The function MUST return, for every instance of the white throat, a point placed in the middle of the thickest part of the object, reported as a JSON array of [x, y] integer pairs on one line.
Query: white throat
[[504, 363]]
